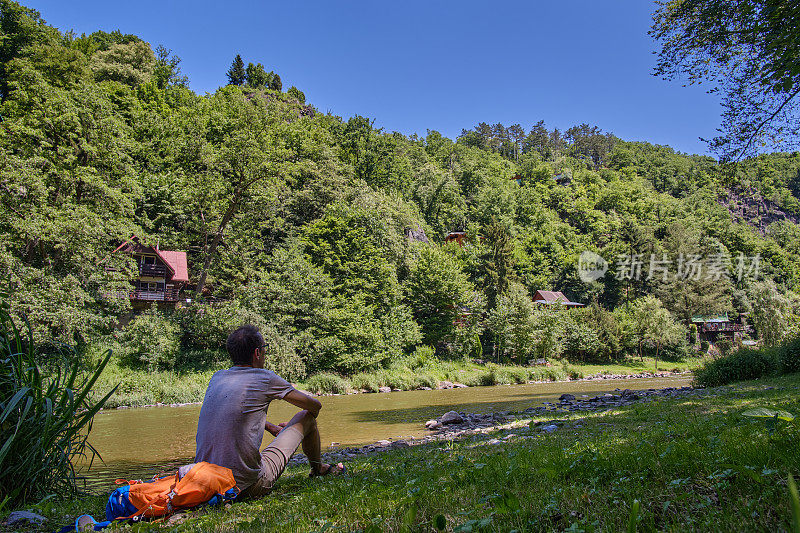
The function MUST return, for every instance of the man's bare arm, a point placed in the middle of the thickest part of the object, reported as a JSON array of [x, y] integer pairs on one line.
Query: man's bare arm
[[274, 429], [304, 401]]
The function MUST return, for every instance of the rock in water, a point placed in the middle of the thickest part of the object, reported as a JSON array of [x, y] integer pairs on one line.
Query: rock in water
[[451, 417], [22, 518], [567, 398], [384, 389]]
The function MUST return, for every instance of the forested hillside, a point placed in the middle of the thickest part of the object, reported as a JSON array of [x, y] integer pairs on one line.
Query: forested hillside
[[329, 233]]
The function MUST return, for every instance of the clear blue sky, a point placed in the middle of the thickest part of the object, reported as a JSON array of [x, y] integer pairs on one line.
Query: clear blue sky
[[431, 64]]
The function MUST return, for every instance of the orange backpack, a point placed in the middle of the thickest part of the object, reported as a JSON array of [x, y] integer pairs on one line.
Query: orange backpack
[[204, 483], [201, 484]]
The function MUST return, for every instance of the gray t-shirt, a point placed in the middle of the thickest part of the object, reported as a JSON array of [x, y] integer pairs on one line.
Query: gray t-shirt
[[233, 417]]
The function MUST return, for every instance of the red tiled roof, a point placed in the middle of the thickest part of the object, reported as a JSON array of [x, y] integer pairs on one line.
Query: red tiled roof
[[177, 263], [551, 297]]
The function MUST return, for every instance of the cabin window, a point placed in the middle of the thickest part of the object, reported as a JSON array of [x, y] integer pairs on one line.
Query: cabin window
[[149, 260], [150, 286]]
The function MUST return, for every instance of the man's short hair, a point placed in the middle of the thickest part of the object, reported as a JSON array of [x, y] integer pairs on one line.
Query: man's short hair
[[242, 343]]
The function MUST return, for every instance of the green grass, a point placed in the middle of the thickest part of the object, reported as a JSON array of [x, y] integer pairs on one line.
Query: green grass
[[693, 463], [141, 387]]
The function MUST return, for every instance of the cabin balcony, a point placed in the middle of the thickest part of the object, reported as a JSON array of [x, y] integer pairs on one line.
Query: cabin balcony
[[712, 327], [156, 271], [166, 295]]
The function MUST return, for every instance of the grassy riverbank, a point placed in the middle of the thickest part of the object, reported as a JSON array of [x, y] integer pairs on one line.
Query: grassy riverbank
[[140, 387], [694, 463]]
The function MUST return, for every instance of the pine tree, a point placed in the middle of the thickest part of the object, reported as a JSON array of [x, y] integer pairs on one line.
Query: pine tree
[[275, 83], [236, 74]]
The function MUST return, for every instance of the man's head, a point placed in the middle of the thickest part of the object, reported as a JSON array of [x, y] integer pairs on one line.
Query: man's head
[[246, 346]]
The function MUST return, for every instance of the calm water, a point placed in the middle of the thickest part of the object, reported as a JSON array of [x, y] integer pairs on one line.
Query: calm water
[[137, 443]]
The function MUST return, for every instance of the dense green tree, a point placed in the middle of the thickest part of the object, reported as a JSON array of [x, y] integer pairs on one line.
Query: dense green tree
[[167, 70], [497, 263], [439, 294], [512, 322], [294, 92], [747, 50], [275, 83], [256, 76], [771, 312], [236, 73]]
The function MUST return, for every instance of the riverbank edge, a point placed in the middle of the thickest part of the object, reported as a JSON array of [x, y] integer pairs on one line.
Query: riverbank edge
[[444, 385], [453, 425]]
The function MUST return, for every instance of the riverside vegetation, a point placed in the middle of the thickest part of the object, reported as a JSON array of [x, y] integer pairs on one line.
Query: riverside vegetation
[[689, 463], [329, 233]]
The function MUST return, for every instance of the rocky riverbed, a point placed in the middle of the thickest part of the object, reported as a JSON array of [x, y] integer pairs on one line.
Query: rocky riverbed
[[499, 427]]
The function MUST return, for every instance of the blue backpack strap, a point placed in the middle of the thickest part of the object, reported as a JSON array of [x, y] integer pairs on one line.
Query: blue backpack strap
[[85, 520]]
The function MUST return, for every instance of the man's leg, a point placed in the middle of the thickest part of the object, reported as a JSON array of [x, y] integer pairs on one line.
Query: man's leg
[[301, 429], [307, 425]]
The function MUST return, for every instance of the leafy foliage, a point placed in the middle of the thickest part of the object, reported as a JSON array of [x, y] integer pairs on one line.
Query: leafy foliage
[[44, 421], [747, 49], [329, 233]]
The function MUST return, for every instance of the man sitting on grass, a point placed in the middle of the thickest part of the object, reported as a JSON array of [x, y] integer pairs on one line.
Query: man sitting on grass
[[234, 417]]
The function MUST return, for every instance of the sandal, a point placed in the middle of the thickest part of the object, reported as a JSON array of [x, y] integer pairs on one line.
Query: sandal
[[333, 470]]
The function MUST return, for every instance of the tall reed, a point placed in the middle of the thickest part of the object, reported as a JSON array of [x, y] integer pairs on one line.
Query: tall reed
[[45, 419]]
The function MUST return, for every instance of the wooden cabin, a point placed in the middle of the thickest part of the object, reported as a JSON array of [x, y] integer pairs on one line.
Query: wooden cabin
[[162, 273], [551, 297], [456, 236], [712, 328]]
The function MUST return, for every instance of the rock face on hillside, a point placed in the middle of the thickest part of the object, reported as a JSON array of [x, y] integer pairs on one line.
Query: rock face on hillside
[[416, 234], [755, 210]]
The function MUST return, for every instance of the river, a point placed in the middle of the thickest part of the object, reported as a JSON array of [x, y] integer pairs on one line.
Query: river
[[138, 443]]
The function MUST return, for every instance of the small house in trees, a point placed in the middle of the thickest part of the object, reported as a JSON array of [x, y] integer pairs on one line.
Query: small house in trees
[[162, 274], [551, 297], [456, 236], [712, 328], [562, 178]]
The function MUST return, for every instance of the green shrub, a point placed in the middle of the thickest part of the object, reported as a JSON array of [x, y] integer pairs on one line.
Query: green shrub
[[704, 347], [788, 356], [281, 356], [675, 351], [509, 375], [364, 381], [207, 326], [201, 360], [743, 364], [422, 356], [326, 383], [151, 340], [397, 378], [45, 419], [482, 378], [549, 373], [425, 380], [724, 346]]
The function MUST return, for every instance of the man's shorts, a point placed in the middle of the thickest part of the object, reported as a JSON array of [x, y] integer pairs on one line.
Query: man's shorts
[[273, 461]]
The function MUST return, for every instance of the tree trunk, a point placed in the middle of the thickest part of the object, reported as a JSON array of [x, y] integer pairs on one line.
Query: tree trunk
[[217, 238], [658, 347]]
